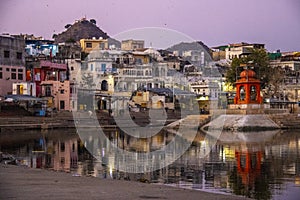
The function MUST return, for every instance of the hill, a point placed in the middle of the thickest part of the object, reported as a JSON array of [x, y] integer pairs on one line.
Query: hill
[[80, 29], [192, 46]]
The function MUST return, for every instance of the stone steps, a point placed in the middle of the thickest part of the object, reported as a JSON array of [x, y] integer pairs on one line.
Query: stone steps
[[287, 121]]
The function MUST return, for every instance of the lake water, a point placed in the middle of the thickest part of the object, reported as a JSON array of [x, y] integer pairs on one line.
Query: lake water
[[263, 165]]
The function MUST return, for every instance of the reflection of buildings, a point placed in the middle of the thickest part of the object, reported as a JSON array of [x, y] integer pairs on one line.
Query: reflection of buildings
[[48, 152], [250, 169], [65, 154]]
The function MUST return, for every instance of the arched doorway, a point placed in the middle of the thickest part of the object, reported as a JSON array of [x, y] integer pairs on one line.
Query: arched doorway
[[104, 85]]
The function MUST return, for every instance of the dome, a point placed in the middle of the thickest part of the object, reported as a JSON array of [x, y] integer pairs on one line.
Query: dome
[[247, 73]]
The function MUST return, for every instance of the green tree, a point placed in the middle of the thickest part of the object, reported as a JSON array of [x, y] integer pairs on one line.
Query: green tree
[[258, 60]]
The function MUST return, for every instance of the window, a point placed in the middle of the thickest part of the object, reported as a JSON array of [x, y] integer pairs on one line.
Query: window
[[88, 45], [13, 76], [20, 76], [102, 46], [62, 147], [92, 67], [72, 68], [62, 91], [19, 55], [6, 54], [253, 93], [242, 93], [13, 70], [103, 67], [48, 91], [62, 105], [20, 70], [104, 85], [1, 76], [20, 89], [7, 69]]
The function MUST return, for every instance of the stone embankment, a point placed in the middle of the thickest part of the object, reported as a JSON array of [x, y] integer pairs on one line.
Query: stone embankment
[[67, 120], [229, 122], [242, 123]]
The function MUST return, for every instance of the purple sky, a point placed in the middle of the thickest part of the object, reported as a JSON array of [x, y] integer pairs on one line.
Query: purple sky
[[215, 22]]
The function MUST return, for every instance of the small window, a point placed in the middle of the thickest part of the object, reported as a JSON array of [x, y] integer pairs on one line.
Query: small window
[[13, 76], [1, 76], [20, 70], [0, 68], [62, 105], [19, 55], [72, 68], [48, 91], [88, 45], [62, 146], [6, 54], [7, 69], [13, 70], [20, 76], [62, 91], [103, 67]]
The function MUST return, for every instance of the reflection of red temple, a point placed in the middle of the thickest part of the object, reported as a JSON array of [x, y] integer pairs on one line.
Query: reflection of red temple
[[247, 88], [248, 165]]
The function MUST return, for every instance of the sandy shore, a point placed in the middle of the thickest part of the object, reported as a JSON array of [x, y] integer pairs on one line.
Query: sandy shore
[[18, 182]]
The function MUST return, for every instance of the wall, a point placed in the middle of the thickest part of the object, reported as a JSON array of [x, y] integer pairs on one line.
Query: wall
[[10, 75], [12, 62], [60, 91]]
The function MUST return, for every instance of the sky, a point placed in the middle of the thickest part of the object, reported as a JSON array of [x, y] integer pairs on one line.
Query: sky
[[275, 23]]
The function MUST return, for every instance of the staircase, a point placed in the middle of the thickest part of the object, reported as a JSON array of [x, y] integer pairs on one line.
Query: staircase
[[287, 121]]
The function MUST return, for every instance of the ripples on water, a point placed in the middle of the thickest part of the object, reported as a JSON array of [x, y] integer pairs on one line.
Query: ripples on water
[[259, 166]]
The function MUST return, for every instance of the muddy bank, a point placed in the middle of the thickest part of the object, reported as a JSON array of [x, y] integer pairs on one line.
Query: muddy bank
[[25, 183]]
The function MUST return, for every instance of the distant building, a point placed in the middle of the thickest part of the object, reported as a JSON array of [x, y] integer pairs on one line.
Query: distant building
[[87, 45], [238, 50], [57, 93], [289, 64], [131, 44], [219, 53], [38, 47], [44, 70], [68, 51], [12, 62]]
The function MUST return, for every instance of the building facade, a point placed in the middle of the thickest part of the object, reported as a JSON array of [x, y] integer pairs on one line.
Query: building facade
[[12, 62], [131, 44]]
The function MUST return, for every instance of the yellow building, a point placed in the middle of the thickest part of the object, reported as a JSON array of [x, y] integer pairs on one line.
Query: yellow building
[[87, 45], [128, 45]]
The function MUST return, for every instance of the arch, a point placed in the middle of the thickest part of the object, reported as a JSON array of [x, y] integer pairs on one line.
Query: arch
[[104, 85], [253, 93]]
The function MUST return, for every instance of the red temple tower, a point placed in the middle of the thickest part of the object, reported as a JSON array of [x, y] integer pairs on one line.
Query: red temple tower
[[248, 88]]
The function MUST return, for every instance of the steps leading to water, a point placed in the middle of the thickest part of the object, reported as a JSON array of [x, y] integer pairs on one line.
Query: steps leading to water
[[287, 121]]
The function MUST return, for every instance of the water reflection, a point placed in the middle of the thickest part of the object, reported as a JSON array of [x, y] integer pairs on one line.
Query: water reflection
[[258, 165]]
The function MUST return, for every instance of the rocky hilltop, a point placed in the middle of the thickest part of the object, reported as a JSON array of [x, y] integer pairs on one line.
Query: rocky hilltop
[[80, 29]]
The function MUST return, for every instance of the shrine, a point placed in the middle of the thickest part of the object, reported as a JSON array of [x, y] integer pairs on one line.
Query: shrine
[[248, 88]]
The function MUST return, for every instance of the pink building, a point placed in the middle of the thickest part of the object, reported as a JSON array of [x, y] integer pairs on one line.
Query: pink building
[[57, 93], [47, 71]]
